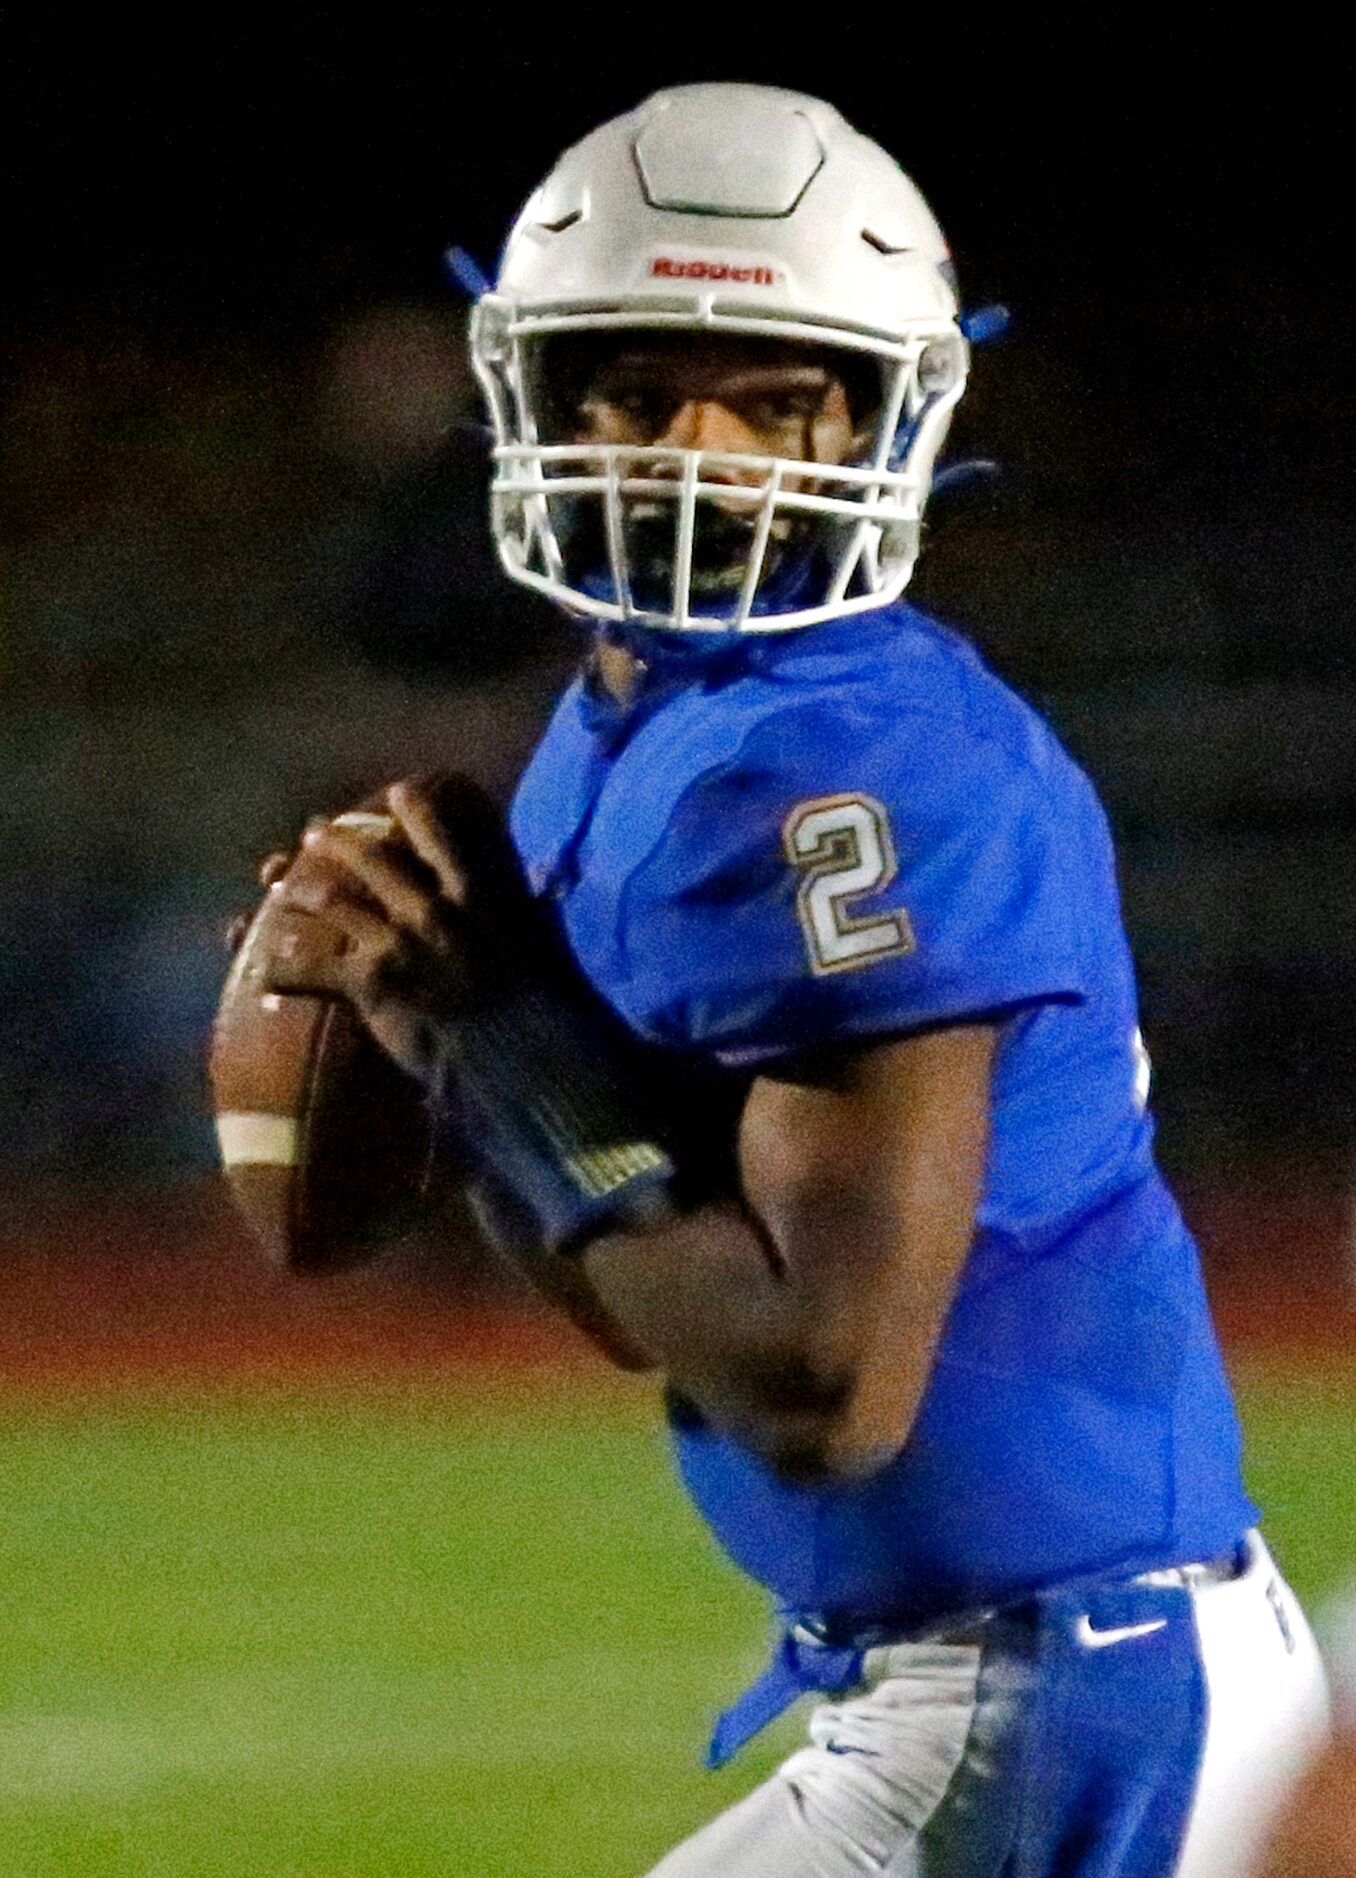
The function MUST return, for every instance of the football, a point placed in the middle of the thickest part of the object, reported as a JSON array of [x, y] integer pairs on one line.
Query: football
[[324, 1141]]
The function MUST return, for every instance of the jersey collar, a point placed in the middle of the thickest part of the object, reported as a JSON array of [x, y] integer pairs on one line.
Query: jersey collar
[[671, 662]]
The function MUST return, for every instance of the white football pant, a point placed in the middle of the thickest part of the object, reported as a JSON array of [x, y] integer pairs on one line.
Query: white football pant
[[919, 1775]]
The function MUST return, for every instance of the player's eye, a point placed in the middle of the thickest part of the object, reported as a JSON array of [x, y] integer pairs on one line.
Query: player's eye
[[776, 410], [634, 414], [648, 411]]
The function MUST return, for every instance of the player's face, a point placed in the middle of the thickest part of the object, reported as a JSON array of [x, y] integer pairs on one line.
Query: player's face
[[737, 398], [729, 397]]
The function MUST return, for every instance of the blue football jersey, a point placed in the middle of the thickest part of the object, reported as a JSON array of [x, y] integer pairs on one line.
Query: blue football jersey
[[855, 832]]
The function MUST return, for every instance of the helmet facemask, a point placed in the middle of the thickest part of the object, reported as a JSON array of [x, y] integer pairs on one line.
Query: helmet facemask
[[697, 539]]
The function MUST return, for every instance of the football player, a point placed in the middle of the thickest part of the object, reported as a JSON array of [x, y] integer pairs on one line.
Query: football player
[[793, 1043]]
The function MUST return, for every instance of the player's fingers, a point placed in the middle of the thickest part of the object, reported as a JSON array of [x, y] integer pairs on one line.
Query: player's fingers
[[308, 954], [452, 814], [335, 901], [383, 874], [414, 807], [340, 950], [384, 958], [274, 866]]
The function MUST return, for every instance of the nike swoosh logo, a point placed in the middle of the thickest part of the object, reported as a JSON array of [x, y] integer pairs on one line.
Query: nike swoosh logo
[[841, 1747], [1103, 1639]]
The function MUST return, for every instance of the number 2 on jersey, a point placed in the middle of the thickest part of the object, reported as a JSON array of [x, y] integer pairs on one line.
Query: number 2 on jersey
[[841, 848]]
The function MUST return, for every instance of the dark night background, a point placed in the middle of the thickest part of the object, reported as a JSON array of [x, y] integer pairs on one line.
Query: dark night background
[[243, 561]]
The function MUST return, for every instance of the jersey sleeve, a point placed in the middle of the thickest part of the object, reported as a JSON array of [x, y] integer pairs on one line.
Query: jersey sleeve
[[836, 882]]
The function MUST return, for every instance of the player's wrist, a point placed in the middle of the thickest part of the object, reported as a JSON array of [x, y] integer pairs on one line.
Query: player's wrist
[[541, 1097]]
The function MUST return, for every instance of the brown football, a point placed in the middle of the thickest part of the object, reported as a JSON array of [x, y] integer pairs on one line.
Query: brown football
[[325, 1143]]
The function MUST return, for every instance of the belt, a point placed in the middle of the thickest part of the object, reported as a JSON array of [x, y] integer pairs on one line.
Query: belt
[[813, 1657], [1216, 1571]]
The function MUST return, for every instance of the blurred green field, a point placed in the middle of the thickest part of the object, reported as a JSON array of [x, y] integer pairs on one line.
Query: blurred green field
[[317, 1634]]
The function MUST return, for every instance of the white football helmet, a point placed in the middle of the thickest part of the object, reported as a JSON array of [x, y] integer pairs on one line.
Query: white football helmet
[[721, 209]]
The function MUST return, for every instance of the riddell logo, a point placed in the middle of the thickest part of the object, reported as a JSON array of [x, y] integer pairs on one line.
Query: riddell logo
[[666, 267]]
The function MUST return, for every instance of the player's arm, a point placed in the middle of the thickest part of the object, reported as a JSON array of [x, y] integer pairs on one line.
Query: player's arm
[[408, 947], [802, 1309], [804, 1315]]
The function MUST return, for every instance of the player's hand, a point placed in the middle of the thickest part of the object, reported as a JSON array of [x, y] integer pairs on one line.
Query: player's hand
[[410, 916]]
